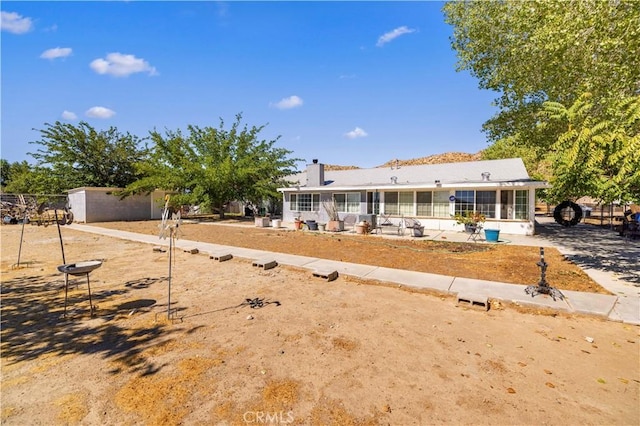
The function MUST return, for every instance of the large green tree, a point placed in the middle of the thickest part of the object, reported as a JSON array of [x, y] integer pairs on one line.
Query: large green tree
[[541, 51], [599, 157], [23, 178], [212, 166], [83, 156], [4, 172]]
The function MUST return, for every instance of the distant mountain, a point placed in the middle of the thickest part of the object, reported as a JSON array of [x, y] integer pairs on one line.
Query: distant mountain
[[447, 157]]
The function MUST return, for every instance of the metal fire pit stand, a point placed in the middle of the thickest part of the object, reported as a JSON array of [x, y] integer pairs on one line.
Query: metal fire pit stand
[[76, 270], [543, 287]]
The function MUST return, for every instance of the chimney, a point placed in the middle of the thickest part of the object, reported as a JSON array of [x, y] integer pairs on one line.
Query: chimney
[[315, 174]]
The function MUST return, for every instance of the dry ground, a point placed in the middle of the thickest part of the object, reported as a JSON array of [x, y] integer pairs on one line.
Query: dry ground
[[493, 262], [343, 353]]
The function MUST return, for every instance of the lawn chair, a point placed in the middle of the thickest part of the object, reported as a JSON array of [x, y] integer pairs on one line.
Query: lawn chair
[[474, 231], [350, 221], [384, 220], [413, 224]]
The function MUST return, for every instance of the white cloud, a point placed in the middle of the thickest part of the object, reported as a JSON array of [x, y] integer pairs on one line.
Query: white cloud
[[99, 112], [288, 103], [68, 115], [120, 65], [56, 52], [389, 36], [14, 23], [356, 133]]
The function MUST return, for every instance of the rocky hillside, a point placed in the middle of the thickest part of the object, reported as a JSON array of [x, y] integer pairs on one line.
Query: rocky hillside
[[448, 157]]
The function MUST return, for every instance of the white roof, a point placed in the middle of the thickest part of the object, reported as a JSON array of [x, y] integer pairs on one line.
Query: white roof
[[504, 172]]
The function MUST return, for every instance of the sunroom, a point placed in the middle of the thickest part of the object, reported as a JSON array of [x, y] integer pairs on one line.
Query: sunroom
[[501, 190]]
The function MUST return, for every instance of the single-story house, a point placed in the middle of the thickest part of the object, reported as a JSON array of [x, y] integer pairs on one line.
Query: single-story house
[[499, 189]]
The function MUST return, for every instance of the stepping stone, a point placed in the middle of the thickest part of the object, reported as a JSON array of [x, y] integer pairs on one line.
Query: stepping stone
[[221, 257], [192, 251], [327, 274], [473, 300], [265, 263]]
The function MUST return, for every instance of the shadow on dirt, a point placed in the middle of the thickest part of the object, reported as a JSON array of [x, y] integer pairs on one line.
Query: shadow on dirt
[[33, 324]]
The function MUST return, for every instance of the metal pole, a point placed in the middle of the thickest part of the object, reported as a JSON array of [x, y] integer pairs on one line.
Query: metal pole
[[64, 262], [90, 302], [170, 260], [21, 234], [66, 292]]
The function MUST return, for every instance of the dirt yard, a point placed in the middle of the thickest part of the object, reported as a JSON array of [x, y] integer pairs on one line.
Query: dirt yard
[[249, 346], [493, 262]]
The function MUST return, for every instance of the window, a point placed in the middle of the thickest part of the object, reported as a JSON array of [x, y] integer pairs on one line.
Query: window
[[304, 202], [398, 203], [441, 204], [476, 201], [486, 203], [348, 202], [391, 203], [464, 202], [406, 203], [423, 204], [522, 204]]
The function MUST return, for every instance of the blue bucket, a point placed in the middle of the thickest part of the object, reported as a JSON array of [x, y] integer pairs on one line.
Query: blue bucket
[[491, 235]]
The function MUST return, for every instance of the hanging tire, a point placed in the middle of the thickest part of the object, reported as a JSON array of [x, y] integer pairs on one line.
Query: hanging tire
[[559, 216]]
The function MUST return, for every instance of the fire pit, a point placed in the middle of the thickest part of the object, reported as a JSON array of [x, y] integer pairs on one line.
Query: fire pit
[[78, 269]]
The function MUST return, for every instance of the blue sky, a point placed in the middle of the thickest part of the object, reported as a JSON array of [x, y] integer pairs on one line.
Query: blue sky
[[348, 83]]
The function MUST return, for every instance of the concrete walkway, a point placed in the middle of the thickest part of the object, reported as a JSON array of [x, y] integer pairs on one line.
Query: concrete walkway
[[594, 251]]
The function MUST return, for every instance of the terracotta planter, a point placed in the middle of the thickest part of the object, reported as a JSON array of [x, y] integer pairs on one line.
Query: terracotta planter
[[297, 224], [335, 226], [362, 228]]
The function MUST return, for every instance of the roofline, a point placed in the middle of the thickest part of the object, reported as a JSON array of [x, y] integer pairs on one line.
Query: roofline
[[529, 184]]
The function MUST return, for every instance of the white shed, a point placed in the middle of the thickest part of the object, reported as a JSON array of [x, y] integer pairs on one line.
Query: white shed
[[90, 204]]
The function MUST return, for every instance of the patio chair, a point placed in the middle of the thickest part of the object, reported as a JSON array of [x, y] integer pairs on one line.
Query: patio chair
[[383, 221], [413, 224], [474, 231], [350, 221]]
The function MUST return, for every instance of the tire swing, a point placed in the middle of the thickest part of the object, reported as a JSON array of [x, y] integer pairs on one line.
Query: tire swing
[[559, 216]]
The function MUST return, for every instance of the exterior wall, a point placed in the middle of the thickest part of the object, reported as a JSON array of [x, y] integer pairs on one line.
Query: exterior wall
[[506, 226], [100, 205], [77, 204], [320, 214]]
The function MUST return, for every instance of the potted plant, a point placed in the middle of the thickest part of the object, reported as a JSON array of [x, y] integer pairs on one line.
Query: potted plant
[[470, 220], [334, 224], [363, 227]]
